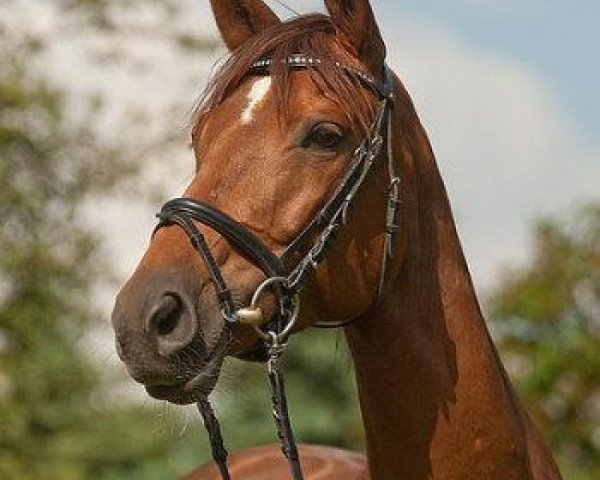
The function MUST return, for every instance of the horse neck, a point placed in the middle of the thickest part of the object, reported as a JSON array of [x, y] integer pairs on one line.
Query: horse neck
[[434, 396]]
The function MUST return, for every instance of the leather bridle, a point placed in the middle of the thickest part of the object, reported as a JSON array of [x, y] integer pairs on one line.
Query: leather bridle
[[286, 283]]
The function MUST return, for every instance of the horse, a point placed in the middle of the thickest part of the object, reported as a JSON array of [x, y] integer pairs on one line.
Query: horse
[[292, 111]]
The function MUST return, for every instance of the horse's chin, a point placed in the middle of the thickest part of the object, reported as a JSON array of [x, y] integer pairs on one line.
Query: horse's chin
[[197, 376], [197, 387]]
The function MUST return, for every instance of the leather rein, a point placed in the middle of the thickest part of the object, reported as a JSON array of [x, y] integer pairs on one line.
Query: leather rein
[[286, 284]]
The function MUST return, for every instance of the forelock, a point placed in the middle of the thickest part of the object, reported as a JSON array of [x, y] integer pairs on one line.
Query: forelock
[[311, 35]]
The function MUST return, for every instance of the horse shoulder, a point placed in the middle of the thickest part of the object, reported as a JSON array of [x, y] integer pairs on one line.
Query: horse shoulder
[[267, 463]]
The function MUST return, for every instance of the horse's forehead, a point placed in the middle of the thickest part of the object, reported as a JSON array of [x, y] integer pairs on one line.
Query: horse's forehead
[[257, 94]]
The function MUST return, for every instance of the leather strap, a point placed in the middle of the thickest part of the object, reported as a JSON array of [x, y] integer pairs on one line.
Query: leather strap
[[240, 237]]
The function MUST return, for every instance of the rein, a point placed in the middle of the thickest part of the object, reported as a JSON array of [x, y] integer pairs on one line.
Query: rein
[[286, 283]]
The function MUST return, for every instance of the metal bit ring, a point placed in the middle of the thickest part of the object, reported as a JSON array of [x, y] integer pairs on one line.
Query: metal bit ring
[[270, 337]]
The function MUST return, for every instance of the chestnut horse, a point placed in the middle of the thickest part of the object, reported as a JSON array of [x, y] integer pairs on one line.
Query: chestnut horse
[[270, 148]]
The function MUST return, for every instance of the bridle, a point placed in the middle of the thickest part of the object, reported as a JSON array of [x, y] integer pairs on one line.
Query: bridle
[[286, 283]]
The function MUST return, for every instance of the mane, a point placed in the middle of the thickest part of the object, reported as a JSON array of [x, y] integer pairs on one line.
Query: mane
[[313, 35]]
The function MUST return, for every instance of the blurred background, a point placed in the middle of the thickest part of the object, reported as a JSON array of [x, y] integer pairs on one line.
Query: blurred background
[[95, 98]]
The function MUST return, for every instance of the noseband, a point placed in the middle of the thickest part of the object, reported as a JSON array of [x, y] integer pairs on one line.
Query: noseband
[[286, 283]]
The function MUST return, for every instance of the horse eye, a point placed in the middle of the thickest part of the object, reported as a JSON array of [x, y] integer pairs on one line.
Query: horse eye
[[324, 136]]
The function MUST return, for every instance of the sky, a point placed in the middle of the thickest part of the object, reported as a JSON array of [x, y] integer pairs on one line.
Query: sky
[[506, 89], [558, 39]]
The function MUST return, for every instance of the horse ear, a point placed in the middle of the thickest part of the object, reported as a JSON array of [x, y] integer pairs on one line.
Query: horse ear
[[355, 19], [240, 20]]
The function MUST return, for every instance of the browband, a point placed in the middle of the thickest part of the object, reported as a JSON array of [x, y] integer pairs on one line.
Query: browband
[[299, 60]]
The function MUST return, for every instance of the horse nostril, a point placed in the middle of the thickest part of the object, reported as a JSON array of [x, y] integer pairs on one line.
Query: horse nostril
[[166, 316], [173, 323]]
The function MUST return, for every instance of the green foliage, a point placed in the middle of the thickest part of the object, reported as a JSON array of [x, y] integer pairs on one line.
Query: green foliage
[[546, 317], [58, 417]]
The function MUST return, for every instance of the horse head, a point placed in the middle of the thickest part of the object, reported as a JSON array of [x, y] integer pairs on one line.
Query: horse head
[[294, 111]]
